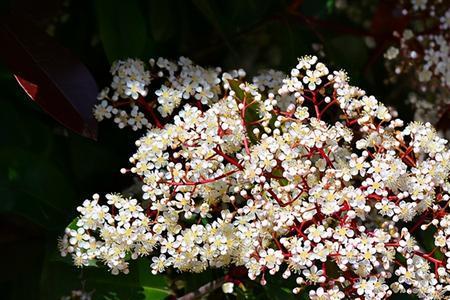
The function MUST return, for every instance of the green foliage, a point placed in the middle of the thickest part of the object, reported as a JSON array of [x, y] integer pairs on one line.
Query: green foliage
[[330, 5], [33, 185], [234, 84], [161, 27], [122, 29], [354, 57], [139, 284]]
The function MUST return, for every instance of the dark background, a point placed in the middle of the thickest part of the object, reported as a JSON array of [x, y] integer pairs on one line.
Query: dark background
[[47, 170]]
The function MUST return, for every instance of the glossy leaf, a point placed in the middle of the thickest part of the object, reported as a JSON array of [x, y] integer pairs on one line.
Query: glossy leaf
[[155, 287], [160, 18], [59, 278], [122, 29], [208, 11], [52, 76], [234, 84]]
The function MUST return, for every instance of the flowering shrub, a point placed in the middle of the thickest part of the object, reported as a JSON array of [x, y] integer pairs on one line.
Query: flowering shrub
[[302, 175], [423, 52]]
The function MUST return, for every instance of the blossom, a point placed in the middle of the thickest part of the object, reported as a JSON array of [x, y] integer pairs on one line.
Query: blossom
[[421, 50], [103, 110], [317, 183], [228, 287]]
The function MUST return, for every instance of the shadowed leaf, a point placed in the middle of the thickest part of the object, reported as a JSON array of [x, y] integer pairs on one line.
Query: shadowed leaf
[[49, 74], [122, 29]]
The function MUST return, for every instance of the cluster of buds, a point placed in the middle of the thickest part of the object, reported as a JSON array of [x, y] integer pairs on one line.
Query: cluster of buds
[[301, 175], [423, 53]]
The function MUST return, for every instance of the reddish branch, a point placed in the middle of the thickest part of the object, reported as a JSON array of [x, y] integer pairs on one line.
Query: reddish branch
[[244, 126], [204, 181], [325, 156], [228, 158], [149, 109]]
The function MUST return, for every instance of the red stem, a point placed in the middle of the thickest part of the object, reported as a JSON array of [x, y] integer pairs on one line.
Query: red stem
[[328, 106], [141, 101], [201, 181], [228, 158], [325, 156]]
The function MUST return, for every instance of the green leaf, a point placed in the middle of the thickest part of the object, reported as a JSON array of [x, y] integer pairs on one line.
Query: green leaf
[[244, 13], [122, 28], [192, 281], [276, 292], [152, 293], [34, 187], [155, 286], [348, 52], [73, 224], [234, 84], [204, 6], [161, 20], [242, 293], [330, 6], [59, 279], [251, 113]]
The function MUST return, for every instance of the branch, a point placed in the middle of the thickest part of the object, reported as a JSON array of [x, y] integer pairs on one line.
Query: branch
[[149, 109], [204, 181], [204, 289]]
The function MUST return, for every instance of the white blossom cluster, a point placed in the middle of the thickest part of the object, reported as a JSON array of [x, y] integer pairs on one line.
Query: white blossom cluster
[[133, 101], [423, 51], [122, 226], [302, 175]]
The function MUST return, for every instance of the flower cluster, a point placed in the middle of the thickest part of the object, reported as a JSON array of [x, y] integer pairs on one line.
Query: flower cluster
[[423, 52], [302, 175], [131, 101], [123, 229]]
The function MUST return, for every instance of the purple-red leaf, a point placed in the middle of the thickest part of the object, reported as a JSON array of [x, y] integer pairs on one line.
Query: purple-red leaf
[[49, 74], [30, 88], [388, 19]]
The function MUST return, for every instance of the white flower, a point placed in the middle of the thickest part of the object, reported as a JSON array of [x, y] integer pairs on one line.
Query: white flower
[[134, 89], [270, 185], [314, 275], [227, 287], [419, 4], [391, 53], [103, 110], [312, 78]]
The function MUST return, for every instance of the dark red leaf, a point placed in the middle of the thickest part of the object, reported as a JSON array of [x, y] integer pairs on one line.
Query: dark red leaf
[[444, 121], [30, 88], [387, 19], [49, 74]]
